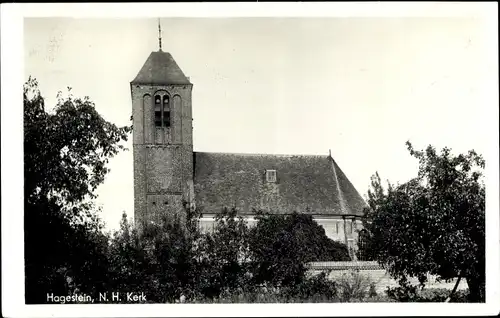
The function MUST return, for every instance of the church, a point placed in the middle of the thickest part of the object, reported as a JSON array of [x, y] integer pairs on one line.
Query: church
[[168, 172]]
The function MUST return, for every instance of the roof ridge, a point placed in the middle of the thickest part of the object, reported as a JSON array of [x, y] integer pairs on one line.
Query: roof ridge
[[262, 154], [343, 204]]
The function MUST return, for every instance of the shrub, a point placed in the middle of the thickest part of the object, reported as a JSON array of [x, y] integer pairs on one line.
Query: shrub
[[353, 286], [412, 294], [403, 293], [373, 291], [281, 245], [460, 296], [317, 288], [374, 299], [433, 295], [441, 294]]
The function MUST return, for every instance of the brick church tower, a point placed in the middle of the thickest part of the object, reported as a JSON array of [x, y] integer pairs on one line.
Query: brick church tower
[[162, 139]]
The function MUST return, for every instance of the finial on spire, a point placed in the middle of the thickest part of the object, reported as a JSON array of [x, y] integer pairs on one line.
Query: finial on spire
[[329, 152], [159, 33]]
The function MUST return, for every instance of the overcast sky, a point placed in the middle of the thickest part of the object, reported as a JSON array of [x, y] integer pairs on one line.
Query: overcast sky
[[358, 86]]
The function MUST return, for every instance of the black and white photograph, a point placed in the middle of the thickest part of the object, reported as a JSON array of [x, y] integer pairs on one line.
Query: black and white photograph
[[179, 155]]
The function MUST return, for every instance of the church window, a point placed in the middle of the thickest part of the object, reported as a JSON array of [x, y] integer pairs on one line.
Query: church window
[[166, 111], [349, 227], [157, 111], [162, 111], [271, 175]]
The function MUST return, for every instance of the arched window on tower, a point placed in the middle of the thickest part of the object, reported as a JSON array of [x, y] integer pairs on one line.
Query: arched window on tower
[[158, 111], [166, 111]]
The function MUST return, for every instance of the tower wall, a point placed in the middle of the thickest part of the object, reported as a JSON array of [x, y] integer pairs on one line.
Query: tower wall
[[163, 160]]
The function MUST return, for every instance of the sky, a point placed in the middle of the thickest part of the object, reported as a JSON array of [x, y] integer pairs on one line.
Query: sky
[[360, 87]]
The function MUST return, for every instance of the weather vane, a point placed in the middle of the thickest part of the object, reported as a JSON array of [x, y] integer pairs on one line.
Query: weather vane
[[159, 33]]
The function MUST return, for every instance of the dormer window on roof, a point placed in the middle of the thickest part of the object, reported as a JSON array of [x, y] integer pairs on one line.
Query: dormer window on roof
[[271, 175]]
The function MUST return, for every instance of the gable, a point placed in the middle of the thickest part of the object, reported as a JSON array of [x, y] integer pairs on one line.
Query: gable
[[304, 184]]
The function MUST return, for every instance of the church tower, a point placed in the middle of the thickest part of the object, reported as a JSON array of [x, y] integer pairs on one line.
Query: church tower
[[162, 139]]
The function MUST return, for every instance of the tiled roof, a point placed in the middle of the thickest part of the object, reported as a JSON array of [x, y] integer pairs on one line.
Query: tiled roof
[[160, 68], [305, 184], [354, 265]]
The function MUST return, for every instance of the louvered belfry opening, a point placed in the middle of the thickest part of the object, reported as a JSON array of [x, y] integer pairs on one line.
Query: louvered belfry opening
[[162, 111]]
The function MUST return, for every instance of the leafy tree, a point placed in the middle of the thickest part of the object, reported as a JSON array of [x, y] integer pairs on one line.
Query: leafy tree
[[66, 152], [128, 259], [224, 255], [435, 223], [160, 259], [281, 245]]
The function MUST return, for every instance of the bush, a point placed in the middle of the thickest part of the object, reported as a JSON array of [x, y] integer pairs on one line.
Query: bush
[[281, 245], [403, 293], [317, 288], [430, 295], [313, 289], [437, 295], [353, 286], [440, 295], [460, 296], [373, 291], [374, 299]]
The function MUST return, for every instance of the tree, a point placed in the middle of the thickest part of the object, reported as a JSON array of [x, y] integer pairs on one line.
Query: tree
[[224, 255], [160, 260], [434, 223], [66, 152], [128, 260], [281, 245]]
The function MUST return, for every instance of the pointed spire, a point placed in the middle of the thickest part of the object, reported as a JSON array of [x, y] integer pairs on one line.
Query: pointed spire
[[159, 34]]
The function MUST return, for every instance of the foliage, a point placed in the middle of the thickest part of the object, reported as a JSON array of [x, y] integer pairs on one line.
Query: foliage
[[460, 296], [159, 260], [317, 288], [373, 299], [66, 152], [281, 245], [128, 259], [57, 250], [433, 223], [405, 292], [353, 285], [373, 291], [168, 260], [411, 294], [65, 158], [433, 295], [365, 251], [224, 255]]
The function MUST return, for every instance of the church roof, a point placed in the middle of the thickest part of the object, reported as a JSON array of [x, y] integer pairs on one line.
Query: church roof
[[305, 184], [160, 68]]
